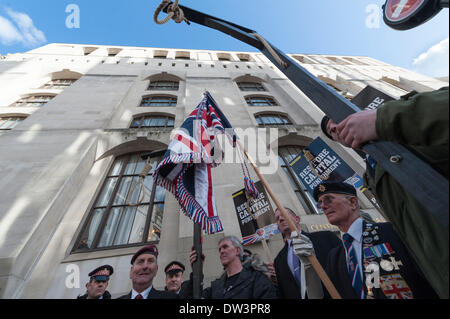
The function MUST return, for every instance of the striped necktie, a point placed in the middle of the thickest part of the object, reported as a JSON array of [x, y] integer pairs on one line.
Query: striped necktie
[[353, 266]]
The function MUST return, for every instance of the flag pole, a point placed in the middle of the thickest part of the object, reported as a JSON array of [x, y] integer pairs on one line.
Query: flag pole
[[264, 241], [312, 259], [198, 264]]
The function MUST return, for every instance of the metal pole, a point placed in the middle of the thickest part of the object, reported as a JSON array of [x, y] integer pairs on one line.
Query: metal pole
[[197, 267], [424, 183]]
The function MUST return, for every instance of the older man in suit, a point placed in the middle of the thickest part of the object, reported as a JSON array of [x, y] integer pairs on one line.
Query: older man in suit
[[371, 262], [296, 278], [144, 267]]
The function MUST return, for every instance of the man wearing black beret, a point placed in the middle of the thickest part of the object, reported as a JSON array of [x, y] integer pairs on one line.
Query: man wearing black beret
[[144, 266], [418, 121], [98, 282], [372, 262]]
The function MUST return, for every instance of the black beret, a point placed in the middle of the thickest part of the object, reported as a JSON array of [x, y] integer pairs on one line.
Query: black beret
[[173, 267], [323, 126], [101, 273], [150, 249], [333, 187]]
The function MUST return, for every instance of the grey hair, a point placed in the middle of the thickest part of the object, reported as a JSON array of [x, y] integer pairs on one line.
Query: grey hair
[[236, 243]]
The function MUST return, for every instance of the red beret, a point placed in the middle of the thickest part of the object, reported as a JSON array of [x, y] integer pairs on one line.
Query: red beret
[[150, 249]]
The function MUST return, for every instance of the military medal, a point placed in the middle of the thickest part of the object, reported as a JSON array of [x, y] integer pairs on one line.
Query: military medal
[[386, 265]]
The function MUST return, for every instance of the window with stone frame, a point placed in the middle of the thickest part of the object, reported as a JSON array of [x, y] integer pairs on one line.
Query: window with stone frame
[[286, 154], [344, 93], [182, 55], [115, 220], [156, 101], [10, 122], [244, 58], [260, 101], [58, 84], [272, 120], [153, 121], [251, 86], [34, 101], [224, 57], [164, 85]]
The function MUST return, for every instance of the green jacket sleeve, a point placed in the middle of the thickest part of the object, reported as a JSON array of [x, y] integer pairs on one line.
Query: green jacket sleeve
[[417, 119]]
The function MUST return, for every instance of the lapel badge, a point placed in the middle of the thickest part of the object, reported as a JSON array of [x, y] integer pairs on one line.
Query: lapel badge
[[322, 188]]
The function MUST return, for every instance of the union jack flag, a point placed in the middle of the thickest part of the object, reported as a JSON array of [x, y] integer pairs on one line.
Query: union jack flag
[[185, 169]]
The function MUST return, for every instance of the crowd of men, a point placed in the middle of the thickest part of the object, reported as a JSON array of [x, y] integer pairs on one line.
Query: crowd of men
[[404, 258]]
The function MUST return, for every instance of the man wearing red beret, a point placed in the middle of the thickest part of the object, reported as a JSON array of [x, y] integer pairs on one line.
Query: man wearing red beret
[[144, 267]]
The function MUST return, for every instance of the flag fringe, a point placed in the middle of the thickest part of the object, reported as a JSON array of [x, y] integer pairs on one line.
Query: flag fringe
[[188, 204]]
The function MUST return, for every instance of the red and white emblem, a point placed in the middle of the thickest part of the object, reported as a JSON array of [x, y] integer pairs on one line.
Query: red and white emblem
[[395, 287], [398, 10]]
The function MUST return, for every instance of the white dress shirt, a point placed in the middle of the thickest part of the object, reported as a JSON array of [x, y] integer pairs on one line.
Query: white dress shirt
[[144, 294], [356, 231]]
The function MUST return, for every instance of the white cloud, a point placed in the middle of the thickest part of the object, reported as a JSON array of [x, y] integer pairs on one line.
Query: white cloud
[[433, 62], [20, 30], [8, 32]]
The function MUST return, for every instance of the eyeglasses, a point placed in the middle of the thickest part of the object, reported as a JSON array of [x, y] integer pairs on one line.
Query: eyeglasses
[[327, 200]]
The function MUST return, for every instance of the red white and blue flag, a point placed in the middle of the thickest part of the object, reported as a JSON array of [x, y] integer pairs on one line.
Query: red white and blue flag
[[185, 169]]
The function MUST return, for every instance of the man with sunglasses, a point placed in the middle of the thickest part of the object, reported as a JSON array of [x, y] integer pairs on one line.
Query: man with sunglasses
[[372, 262]]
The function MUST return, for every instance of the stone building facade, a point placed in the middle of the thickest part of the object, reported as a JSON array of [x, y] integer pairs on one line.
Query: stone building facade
[[74, 120]]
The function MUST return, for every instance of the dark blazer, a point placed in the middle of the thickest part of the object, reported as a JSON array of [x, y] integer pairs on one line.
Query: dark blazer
[[251, 284], [185, 290], [106, 295], [338, 273], [323, 242], [154, 294]]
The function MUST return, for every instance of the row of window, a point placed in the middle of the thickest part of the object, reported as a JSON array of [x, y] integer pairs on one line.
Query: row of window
[[179, 55], [167, 101], [174, 86], [149, 101], [148, 121], [41, 100]]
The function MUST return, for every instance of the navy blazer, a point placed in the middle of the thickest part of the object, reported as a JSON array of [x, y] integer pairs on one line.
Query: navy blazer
[[338, 273], [155, 294], [323, 242]]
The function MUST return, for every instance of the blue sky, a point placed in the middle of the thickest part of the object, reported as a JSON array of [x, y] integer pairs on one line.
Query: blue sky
[[295, 26]]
